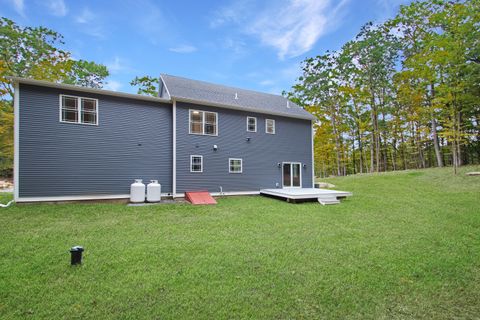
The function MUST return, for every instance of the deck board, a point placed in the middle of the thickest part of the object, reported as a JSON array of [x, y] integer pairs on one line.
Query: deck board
[[305, 193]]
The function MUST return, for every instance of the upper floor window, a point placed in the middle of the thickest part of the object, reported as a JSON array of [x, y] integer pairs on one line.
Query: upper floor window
[[270, 126], [78, 110], [251, 124], [203, 122]]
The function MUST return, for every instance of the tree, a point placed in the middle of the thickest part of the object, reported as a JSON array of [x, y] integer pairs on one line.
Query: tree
[[147, 85], [407, 90], [33, 52]]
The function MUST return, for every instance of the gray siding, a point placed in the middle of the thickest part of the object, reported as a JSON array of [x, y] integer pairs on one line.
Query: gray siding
[[133, 140], [291, 143]]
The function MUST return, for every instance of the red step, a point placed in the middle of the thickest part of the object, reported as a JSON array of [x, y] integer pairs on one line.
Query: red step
[[199, 197]]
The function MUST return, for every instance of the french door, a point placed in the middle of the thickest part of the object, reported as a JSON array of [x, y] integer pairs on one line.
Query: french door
[[292, 175]]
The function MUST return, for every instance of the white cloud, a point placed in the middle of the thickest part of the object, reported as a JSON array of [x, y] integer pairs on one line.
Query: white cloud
[[186, 48], [19, 7], [292, 27], [238, 47], [57, 7], [113, 85], [267, 82], [85, 17], [388, 8], [90, 24], [116, 65]]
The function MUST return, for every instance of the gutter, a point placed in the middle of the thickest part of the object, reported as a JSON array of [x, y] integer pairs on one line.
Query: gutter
[[247, 109], [63, 86]]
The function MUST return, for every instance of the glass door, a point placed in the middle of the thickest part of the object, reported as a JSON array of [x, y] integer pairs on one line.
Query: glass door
[[292, 175], [287, 177]]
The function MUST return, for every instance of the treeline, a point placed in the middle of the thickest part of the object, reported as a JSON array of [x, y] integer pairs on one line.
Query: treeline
[[403, 94]]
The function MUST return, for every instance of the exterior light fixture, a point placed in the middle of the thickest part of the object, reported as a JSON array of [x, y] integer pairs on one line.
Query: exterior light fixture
[[279, 164], [215, 147], [248, 139], [304, 165]]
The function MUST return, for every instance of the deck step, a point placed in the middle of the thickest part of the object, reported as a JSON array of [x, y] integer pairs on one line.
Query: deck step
[[326, 200]]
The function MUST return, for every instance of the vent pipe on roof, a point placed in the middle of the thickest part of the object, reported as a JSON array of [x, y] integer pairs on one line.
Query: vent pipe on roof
[[236, 96], [288, 103]]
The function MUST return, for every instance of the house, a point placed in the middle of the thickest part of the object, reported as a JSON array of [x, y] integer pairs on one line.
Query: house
[[77, 143]]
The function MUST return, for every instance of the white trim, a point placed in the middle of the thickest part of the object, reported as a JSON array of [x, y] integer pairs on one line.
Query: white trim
[[248, 118], [174, 147], [266, 126], [305, 193], [79, 110], [243, 108], [80, 198], [49, 84], [229, 165], [166, 88], [74, 198], [203, 112], [201, 163], [16, 141], [122, 196], [219, 194], [291, 175], [313, 158]]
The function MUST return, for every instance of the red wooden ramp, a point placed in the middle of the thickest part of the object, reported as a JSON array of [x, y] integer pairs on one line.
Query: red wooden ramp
[[199, 197]]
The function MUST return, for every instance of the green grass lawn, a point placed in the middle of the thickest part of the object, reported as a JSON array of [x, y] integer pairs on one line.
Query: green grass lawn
[[406, 245]]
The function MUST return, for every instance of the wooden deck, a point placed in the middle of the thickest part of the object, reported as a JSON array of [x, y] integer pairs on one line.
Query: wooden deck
[[300, 194]]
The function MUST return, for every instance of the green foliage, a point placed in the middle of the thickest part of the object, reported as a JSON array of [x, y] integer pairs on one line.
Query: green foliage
[[147, 85], [86, 74], [407, 90], [405, 246]]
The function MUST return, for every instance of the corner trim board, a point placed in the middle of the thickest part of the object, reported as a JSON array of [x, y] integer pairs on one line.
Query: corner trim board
[[16, 142], [313, 157]]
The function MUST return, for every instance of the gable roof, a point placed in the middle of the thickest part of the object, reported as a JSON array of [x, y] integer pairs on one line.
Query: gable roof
[[195, 91]]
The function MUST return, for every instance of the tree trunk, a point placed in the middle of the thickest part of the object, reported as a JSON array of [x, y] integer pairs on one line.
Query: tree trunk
[[337, 144], [438, 152]]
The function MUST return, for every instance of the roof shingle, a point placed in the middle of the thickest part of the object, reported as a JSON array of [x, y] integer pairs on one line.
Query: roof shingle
[[183, 89]]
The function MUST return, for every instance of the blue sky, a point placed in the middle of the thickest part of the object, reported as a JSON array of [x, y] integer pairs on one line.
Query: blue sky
[[255, 45]]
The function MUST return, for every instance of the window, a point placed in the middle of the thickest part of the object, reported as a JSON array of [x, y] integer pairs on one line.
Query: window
[[235, 165], [270, 126], [203, 122], [78, 110], [251, 124], [196, 163]]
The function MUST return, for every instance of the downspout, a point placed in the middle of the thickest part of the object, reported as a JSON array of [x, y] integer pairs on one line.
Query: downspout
[[174, 148]]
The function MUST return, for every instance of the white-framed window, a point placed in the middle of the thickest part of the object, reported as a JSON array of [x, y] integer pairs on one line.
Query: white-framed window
[[270, 126], [235, 165], [196, 163], [251, 124], [203, 122], [81, 110]]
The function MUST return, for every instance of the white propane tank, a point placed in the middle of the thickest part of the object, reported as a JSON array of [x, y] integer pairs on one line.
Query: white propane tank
[[137, 191], [153, 191]]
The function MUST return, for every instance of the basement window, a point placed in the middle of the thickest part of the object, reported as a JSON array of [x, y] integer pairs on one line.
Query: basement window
[[78, 110], [196, 163], [203, 122], [235, 165]]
